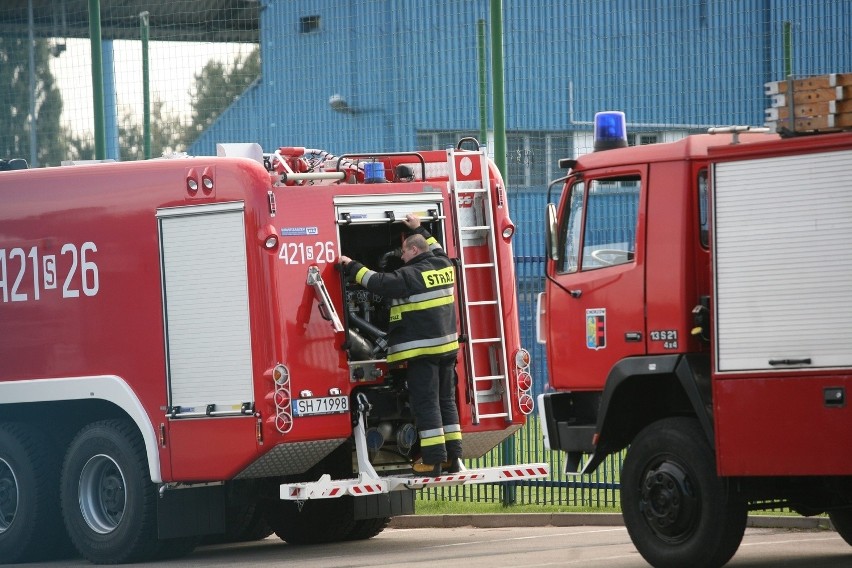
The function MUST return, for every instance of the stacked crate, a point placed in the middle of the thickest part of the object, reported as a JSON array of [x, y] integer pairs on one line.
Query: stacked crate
[[822, 103]]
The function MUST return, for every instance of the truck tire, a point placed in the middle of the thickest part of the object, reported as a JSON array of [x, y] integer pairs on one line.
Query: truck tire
[[30, 529], [320, 521], [108, 501], [677, 511], [245, 513], [367, 528], [841, 520], [243, 523], [172, 548], [252, 525]]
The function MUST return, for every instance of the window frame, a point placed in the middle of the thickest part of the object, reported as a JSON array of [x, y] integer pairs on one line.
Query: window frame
[[574, 237]]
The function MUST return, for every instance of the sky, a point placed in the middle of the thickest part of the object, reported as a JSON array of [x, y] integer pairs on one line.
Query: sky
[[171, 65]]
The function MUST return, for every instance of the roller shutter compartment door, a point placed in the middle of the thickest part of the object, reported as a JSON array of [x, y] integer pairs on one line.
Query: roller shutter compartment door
[[783, 262], [206, 309]]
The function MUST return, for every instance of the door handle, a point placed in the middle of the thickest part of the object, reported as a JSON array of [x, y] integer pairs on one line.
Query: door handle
[[575, 293]]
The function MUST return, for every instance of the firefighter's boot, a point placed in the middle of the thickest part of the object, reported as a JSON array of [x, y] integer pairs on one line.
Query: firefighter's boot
[[454, 452], [427, 469]]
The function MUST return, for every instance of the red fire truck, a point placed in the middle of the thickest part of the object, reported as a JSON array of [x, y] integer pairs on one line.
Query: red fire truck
[[181, 356], [697, 311]]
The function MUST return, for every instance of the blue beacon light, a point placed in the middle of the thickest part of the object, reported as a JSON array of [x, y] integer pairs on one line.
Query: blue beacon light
[[610, 130], [374, 172]]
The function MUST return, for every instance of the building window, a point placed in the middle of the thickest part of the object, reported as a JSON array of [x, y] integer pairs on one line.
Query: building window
[[642, 138], [309, 24], [532, 158], [442, 140]]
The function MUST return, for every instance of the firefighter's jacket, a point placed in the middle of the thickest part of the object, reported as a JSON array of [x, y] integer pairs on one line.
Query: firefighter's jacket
[[422, 312]]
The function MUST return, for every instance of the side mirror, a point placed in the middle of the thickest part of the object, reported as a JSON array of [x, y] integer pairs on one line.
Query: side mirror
[[550, 232]]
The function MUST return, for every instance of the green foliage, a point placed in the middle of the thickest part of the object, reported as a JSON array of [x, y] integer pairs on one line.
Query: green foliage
[[217, 87], [15, 123], [165, 133]]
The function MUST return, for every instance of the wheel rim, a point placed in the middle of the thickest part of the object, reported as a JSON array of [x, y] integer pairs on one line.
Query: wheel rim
[[102, 494], [8, 496], [669, 502]]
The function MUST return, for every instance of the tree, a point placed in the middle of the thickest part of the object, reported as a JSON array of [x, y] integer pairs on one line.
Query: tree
[[15, 123], [165, 133], [216, 87], [77, 148]]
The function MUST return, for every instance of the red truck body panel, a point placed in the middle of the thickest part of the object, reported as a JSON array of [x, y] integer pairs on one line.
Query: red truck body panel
[[768, 423], [781, 422], [82, 295]]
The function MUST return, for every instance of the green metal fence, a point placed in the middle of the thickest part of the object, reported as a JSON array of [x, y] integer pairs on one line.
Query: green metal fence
[[600, 489]]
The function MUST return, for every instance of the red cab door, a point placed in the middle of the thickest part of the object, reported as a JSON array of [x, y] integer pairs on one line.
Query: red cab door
[[595, 290]]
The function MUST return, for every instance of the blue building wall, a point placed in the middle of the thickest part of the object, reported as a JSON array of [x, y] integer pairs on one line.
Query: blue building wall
[[412, 65]]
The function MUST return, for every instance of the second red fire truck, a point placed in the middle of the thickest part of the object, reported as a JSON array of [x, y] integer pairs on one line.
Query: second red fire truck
[[698, 312]]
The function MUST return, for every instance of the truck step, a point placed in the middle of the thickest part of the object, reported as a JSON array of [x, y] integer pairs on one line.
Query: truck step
[[327, 488]]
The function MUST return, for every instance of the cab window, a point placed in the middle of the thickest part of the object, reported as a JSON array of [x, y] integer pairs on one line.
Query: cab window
[[572, 229], [600, 229], [703, 208]]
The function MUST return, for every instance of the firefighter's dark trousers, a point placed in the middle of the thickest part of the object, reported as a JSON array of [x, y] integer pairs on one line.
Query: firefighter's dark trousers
[[432, 392]]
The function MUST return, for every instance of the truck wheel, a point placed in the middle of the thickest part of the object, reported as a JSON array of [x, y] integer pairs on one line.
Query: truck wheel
[[243, 523], [677, 511], [108, 501], [253, 526], [172, 548], [367, 528], [320, 521], [245, 513], [841, 520], [29, 496]]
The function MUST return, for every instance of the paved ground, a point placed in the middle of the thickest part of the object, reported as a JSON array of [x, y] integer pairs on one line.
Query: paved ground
[[577, 519], [497, 541]]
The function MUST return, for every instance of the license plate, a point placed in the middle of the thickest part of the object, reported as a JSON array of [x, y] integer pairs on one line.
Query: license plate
[[321, 405]]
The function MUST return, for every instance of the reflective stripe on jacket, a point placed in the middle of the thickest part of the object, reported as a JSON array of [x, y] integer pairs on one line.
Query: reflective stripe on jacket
[[423, 311]]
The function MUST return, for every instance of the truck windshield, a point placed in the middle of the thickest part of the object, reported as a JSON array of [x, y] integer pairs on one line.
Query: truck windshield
[[606, 234]]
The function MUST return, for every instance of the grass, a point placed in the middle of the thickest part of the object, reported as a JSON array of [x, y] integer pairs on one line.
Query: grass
[[434, 507], [597, 493]]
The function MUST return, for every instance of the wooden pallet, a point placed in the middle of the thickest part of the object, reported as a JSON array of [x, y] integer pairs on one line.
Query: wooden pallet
[[821, 103]]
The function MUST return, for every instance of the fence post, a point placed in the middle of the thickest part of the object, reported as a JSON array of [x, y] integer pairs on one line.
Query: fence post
[[144, 28], [97, 78]]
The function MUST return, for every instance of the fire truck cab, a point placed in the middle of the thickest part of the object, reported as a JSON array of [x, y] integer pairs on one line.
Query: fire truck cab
[[696, 313]]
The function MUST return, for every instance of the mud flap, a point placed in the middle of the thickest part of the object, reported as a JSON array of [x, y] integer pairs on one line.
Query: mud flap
[[191, 511], [384, 505]]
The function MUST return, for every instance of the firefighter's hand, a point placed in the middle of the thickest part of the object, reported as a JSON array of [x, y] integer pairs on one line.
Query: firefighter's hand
[[345, 266], [412, 221]]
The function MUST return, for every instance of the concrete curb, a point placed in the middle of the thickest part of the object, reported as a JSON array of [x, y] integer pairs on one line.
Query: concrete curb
[[574, 520]]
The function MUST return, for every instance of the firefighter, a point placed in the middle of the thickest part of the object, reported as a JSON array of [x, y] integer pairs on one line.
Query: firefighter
[[422, 334]]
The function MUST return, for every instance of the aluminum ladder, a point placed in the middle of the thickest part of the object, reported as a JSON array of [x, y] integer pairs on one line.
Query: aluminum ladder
[[469, 185]]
